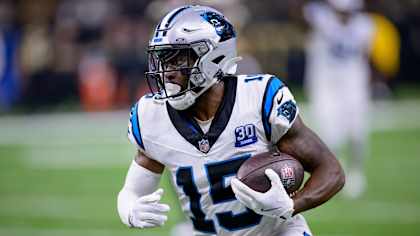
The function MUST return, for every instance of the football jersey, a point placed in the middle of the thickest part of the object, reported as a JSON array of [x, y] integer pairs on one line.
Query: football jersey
[[337, 73], [256, 111], [337, 51]]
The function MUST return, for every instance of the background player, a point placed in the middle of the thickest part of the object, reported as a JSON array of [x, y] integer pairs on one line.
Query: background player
[[338, 78], [202, 122]]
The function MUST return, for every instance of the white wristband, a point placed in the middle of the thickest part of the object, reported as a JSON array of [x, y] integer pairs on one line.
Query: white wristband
[[138, 182]]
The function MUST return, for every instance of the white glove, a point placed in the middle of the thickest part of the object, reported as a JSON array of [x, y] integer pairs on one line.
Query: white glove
[[147, 212], [273, 203]]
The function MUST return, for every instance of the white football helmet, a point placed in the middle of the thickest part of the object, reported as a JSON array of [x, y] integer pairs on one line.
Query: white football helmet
[[206, 43]]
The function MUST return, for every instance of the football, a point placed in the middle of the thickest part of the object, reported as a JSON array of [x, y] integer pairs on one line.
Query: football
[[288, 168]]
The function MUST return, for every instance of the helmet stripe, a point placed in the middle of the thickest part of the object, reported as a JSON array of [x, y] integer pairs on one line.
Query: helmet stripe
[[168, 19], [175, 14], [157, 30]]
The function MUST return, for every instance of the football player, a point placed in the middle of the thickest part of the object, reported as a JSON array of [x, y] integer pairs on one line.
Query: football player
[[202, 122], [337, 79]]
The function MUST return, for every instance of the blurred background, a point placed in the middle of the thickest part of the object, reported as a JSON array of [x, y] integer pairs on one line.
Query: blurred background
[[70, 70]]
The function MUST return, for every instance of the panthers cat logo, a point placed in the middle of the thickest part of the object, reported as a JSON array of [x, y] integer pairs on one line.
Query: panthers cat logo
[[223, 28]]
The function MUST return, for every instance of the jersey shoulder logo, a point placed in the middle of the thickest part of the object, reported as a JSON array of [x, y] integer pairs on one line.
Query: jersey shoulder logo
[[245, 135], [288, 110], [223, 28]]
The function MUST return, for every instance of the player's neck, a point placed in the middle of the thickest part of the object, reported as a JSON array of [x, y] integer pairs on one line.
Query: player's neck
[[207, 104]]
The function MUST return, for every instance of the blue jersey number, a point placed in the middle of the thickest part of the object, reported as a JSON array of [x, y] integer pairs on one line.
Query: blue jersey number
[[184, 179], [220, 192], [253, 77]]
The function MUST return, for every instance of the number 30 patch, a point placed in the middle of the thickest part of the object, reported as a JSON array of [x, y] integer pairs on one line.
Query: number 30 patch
[[245, 135]]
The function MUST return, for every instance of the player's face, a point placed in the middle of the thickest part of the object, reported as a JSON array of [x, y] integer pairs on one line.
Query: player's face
[[171, 69], [177, 68]]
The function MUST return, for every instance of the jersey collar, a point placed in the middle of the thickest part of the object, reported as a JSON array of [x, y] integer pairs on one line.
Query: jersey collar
[[191, 131]]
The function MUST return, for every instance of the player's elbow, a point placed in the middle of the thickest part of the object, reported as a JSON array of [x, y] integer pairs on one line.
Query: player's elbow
[[335, 177], [339, 177]]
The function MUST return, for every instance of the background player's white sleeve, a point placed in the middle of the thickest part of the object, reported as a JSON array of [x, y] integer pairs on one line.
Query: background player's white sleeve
[[138, 182], [283, 113]]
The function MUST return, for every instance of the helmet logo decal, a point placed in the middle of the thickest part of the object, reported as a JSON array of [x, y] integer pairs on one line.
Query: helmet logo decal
[[223, 28]]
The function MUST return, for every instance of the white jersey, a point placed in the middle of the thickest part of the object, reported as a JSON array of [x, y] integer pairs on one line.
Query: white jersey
[[337, 73], [337, 51], [255, 113]]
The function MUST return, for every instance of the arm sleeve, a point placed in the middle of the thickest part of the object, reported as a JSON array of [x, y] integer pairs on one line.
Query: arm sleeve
[[138, 182]]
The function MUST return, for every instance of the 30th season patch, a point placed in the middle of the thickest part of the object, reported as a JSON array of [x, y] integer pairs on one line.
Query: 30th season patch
[[245, 135]]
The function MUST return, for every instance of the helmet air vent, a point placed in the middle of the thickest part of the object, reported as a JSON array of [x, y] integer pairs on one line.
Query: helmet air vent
[[218, 59]]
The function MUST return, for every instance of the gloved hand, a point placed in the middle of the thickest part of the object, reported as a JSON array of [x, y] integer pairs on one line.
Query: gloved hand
[[147, 212], [273, 203]]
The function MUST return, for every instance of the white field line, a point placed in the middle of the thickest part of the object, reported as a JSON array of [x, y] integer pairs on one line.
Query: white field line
[[91, 232], [15, 231], [59, 207], [76, 159], [334, 234], [365, 212], [72, 140], [111, 127], [83, 128], [387, 115], [372, 212]]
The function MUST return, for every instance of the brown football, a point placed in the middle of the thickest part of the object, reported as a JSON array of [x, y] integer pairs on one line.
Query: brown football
[[288, 168]]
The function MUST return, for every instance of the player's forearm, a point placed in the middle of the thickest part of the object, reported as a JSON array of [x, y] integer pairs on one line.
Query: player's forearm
[[327, 176], [324, 183]]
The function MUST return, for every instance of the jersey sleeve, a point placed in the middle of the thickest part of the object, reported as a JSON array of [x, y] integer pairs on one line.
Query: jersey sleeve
[[134, 131], [279, 109]]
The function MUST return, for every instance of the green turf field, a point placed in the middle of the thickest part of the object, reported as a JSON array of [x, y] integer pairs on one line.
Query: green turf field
[[60, 174]]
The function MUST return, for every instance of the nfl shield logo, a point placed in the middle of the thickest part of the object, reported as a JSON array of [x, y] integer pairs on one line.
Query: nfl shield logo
[[204, 145], [287, 176]]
